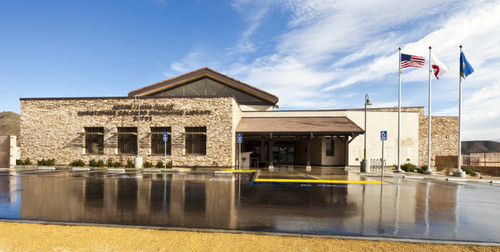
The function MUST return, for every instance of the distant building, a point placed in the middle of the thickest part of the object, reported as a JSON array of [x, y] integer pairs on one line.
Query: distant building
[[203, 110]]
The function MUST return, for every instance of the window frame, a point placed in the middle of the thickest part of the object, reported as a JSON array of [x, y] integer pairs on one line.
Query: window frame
[[330, 140], [195, 140], [94, 135], [127, 134], [157, 139]]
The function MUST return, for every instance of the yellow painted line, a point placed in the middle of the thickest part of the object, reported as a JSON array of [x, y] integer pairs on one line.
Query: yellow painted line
[[319, 181], [237, 171]]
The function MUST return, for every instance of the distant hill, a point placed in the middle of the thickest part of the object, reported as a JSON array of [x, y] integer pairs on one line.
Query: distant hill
[[10, 123], [480, 147]]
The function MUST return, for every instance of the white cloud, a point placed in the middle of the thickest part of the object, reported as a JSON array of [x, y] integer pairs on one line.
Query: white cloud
[[332, 47]]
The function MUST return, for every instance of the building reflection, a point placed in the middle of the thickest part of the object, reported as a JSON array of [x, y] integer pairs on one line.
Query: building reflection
[[154, 199], [207, 201]]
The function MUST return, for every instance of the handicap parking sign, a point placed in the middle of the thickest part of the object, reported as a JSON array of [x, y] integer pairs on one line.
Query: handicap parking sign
[[239, 136], [165, 136], [383, 135]]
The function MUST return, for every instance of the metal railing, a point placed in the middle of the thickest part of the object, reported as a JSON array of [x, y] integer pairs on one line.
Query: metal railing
[[376, 165]]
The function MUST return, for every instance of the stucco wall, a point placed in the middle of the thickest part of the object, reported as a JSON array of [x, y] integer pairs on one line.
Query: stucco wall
[[51, 128]]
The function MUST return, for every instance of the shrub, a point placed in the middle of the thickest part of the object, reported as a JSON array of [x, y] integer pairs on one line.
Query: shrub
[[48, 162], [100, 163], [169, 164], [19, 162], [110, 163], [117, 164], [468, 170], [27, 161], [130, 164], [78, 162], [148, 164], [93, 163], [408, 167], [160, 164]]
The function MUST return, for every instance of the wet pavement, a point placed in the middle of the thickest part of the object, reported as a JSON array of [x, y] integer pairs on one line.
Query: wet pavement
[[401, 208]]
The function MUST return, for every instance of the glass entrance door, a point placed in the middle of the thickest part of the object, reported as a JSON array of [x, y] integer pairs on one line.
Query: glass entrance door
[[283, 154]]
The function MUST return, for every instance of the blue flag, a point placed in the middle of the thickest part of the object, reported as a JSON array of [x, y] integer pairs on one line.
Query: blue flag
[[465, 67]]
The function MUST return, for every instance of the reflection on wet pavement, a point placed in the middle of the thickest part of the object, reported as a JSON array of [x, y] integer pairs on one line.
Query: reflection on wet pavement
[[402, 208]]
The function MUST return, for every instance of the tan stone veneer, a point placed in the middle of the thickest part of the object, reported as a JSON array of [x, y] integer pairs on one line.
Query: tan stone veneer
[[53, 127]]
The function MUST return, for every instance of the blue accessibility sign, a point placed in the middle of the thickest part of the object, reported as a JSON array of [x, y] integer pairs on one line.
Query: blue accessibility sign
[[165, 136], [239, 137], [383, 135]]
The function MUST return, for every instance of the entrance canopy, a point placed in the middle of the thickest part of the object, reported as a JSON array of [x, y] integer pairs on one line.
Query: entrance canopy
[[293, 126]]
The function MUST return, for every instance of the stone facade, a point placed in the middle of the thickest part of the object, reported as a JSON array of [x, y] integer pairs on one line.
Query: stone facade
[[444, 137], [54, 128]]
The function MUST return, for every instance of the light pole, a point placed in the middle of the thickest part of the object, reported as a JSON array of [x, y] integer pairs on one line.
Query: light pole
[[365, 164], [138, 158]]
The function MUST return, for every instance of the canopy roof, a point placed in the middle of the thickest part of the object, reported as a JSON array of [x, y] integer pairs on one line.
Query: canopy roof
[[298, 126]]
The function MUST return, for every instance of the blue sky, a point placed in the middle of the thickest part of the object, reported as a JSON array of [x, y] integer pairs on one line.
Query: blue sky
[[312, 54]]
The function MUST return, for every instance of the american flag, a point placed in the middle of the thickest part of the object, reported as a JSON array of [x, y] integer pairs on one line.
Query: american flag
[[412, 61]]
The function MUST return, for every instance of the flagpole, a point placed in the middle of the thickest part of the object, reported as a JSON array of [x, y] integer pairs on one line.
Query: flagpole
[[429, 171], [399, 114], [459, 171]]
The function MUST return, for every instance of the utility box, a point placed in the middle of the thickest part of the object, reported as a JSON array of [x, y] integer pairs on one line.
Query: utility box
[[245, 160]]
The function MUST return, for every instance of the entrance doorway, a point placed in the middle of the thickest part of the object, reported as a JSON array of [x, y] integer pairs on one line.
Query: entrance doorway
[[284, 154]]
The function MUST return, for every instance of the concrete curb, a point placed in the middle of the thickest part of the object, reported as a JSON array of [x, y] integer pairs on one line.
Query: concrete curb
[[228, 231]]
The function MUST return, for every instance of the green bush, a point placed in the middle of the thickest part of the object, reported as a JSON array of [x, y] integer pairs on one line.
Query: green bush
[[110, 163], [100, 163], [19, 162], [117, 164], [160, 164], [408, 167], [468, 170], [147, 164], [169, 164], [78, 162], [27, 161], [93, 163], [130, 164]]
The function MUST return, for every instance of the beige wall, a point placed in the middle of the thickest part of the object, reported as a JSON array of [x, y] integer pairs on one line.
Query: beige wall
[[51, 128]]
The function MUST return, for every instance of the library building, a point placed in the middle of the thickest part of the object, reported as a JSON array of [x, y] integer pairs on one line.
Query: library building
[[203, 111]]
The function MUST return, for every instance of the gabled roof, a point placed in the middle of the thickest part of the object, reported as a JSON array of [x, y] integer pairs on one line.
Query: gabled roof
[[202, 73], [340, 125]]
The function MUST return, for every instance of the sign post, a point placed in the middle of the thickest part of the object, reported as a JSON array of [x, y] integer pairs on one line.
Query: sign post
[[239, 138], [383, 138], [165, 139]]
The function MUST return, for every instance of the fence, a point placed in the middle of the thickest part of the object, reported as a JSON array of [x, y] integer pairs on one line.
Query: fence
[[376, 165]]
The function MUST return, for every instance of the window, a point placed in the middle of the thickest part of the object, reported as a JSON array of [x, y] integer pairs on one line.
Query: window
[[196, 140], [127, 140], [329, 146], [157, 144], [94, 140]]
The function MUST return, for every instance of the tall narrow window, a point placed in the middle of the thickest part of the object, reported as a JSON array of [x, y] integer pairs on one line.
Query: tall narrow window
[[157, 144], [94, 140], [127, 140], [329, 146], [196, 140]]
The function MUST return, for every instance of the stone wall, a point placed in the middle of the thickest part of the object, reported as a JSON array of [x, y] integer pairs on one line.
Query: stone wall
[[53, 128], [444, 137]]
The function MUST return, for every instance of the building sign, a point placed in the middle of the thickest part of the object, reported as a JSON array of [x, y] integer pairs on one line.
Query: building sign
[[147, 111]]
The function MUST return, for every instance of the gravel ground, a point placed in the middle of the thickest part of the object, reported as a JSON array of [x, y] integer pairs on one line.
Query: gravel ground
[[37, 237]]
